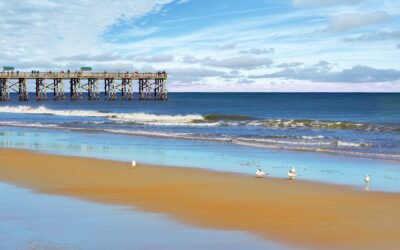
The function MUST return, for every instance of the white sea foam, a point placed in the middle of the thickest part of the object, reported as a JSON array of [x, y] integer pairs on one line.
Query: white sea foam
[[29, 125], [312, 137], [284, 142], [352, 144], [140, 118]]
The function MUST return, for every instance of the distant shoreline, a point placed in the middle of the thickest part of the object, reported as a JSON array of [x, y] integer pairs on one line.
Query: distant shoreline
[[298, 213]]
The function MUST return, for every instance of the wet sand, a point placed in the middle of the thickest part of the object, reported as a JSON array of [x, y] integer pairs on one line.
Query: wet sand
[[298, 213]]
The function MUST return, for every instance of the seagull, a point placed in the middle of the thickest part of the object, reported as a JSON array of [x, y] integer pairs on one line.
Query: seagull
[[260, 173], [292, 173], [367, 179], [133, 165]]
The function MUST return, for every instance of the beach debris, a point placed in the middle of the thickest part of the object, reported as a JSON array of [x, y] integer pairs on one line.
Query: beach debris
[[292, 173], [133, 164], [367, 179], [260, 173]]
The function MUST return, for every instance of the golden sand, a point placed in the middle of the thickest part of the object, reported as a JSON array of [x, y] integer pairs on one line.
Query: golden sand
[[299, 213]]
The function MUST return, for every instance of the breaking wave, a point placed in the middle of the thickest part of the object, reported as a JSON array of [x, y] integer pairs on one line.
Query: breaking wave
[[203, 120], [139, 118]]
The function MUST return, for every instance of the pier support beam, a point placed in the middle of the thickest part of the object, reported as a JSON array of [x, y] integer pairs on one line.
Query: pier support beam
[[144, 89], [75, 89], [41, 89], [160, 92], [93, 89], [163, 90], [4, 90], [141, 89], [22, 90], [110, 89], [126, 89], [58, 89]]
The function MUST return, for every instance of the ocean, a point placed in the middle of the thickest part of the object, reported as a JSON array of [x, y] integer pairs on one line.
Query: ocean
[[235, 132]]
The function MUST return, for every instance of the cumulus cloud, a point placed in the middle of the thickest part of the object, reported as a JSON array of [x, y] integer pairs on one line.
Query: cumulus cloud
[[130, 33], [234, 63], [349, 21], [289, 65], [257, 51], [323, 73], [190, 75], [38, 64], [378, 36], [156, 58], [112, 67], [323, 3], [190, 59], [229, 46], [240, 62], [65, 29], [245, 81], [90, 57]]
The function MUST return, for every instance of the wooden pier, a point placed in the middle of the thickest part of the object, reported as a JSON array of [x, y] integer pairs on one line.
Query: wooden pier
[[151, 86]]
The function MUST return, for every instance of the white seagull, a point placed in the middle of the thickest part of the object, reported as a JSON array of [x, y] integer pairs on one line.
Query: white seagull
[[367, 179], [133, 164], [292, 173], [260, 173]]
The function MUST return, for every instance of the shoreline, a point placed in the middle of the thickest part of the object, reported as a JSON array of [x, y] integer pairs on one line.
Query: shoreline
[[299, 213], [153, 134]]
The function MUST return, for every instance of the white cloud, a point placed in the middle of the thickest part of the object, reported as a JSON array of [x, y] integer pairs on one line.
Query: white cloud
[[377, 36], [190, 75], [322, 72], [41, 28], [349, 21], [240, 62], [90, 57], [229, 46], [237, 62], [258, 51], [155, 58]]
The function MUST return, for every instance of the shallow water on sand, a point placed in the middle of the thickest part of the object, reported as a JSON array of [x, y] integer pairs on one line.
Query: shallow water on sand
[[37, 221], [331, 168]]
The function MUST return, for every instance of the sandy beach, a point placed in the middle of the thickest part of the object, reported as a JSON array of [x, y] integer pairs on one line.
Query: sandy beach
[[297, 213]]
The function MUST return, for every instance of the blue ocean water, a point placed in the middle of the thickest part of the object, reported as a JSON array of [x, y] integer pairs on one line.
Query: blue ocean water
[[334, 138]]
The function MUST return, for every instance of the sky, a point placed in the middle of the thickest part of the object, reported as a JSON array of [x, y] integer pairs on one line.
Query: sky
[[213, 45]]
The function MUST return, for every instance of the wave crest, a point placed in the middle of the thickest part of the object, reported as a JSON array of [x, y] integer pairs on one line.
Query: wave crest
[[202, 120]]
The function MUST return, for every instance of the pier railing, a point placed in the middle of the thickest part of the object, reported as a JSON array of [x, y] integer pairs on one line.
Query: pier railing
[[82, 75]]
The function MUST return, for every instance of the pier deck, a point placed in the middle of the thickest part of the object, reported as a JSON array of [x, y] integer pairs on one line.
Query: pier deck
[[151, 86]]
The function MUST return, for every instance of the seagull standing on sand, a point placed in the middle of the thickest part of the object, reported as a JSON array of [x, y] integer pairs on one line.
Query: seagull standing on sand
[[367, 179], [292, 173], [133, 165], [260, 173]]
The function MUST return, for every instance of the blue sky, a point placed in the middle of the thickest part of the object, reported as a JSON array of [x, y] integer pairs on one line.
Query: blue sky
[[220, 45]]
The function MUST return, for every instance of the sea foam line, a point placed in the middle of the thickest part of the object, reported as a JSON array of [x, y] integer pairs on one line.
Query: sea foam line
[[142, 118], [203, 121]]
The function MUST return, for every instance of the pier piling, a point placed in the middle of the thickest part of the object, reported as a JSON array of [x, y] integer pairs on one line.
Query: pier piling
[[22, 90], [41, 89], [4, 90]]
